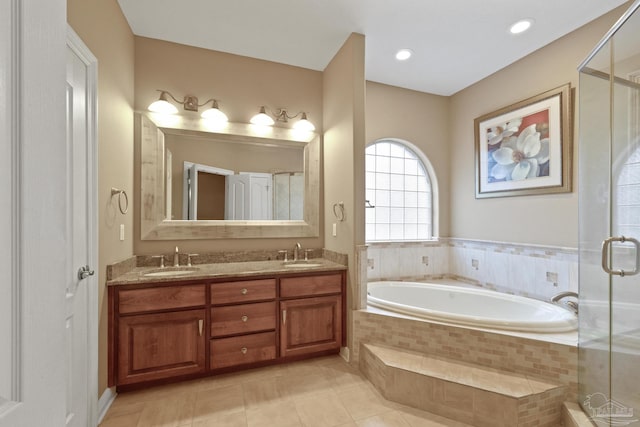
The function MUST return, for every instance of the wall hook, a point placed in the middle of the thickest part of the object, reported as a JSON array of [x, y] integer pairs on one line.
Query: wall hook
[[121, 193], [338, 211], [367, 204]]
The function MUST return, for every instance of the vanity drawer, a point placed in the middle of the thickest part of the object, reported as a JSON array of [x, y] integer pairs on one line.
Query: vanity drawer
[[160, 298], [310, 285], [242, 350], [242, 319], [243, 291]]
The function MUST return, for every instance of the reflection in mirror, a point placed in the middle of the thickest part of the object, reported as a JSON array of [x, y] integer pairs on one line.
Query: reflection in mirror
[[201, 184], [213, 179]]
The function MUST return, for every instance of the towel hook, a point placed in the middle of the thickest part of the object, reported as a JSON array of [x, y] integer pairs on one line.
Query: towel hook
[[121, 193], [338, 211]]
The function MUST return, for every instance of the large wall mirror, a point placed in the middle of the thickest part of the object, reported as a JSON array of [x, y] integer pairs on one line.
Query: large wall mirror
[[239, 182]]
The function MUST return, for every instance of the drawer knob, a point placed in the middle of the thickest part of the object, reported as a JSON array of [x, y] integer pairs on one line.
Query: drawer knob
[[243, 291], [244, 318], [243, 350]]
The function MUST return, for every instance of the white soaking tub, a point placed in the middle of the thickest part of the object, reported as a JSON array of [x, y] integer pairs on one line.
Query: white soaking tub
[[479, 308]]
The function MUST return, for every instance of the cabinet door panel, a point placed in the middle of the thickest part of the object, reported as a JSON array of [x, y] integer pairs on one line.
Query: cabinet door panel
[[310, 325], [243, 349], [311, 285], [242, 319], [155, 346]]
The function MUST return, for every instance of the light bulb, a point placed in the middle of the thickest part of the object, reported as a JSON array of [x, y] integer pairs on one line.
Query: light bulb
[[162, 105], [214, 114], [304, 124], [262, 119]]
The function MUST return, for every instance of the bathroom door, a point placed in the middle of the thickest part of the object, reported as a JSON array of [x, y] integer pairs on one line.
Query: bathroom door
[[81, 301]]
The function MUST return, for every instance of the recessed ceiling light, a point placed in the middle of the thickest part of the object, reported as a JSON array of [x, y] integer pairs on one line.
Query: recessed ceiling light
[[521, 26], [404, 54]]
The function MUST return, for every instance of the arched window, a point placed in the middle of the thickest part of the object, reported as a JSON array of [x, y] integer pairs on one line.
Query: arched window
[[401, 193]]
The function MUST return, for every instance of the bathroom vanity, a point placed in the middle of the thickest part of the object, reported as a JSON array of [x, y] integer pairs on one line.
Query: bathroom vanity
[[222, 317]]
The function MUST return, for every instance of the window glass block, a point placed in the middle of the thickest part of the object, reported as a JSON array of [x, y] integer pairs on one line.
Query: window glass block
[[411, 166], [371, 149], [397, 182], [396, 232], [424, 200], [382, 215], [382, 181], [382, 198], [424, 215], [370, 179], [410, 183], [383, 164], [411, 215], [396, 199], [396, 215], [424, 231], [370, 215], [383, 148], [410, 232], [411, 199], [370, 163], [396, 165], [397, 150], [370, 232], [382, 231]]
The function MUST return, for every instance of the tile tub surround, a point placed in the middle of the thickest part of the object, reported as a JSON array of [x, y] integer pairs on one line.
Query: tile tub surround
[[545, 360], [533, 271]]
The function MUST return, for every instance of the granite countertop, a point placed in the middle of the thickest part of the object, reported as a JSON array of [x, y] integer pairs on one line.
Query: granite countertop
[[140, 275]]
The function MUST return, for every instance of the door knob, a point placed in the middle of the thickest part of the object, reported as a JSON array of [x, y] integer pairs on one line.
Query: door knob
[[84, 272]]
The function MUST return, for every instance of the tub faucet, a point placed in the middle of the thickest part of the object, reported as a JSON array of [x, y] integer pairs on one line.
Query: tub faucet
[[571, 304], [296, 251]]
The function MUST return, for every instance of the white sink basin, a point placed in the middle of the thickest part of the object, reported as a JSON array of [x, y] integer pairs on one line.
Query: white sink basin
[[302, 265], [171, 271]]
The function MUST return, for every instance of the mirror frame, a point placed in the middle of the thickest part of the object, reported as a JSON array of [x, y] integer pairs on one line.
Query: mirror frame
[[150, 130]]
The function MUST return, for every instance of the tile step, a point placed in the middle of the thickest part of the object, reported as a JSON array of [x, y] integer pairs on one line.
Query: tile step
[[462, 391]]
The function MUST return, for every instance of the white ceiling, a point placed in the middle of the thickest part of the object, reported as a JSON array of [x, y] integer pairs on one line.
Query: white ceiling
[[456, 42]]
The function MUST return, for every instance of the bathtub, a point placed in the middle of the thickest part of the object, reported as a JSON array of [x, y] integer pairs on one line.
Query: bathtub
[[470, 307]]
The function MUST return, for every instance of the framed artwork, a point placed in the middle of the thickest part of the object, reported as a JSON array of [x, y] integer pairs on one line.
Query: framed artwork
[[525, 148]]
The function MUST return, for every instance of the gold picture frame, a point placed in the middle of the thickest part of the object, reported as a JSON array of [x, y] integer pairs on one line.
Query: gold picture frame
[[526, 148]]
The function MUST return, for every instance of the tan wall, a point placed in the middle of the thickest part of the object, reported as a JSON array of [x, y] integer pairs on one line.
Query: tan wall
[[343, 160], [241, 85], [105, 31], [544, 219], [421, 119]]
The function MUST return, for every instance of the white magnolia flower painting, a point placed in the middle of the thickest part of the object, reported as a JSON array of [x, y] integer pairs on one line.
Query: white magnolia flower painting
[[525, 148]]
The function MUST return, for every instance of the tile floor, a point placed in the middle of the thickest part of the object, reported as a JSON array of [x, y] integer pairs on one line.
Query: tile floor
[[319, 392]]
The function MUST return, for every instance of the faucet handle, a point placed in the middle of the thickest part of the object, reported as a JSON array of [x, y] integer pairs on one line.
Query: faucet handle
[[161, 260], [189, 259], [306, 254], [285, 259]]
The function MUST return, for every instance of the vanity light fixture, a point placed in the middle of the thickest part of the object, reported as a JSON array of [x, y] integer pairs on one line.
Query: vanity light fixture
[[190, 103], [521, 26], [281, 115]]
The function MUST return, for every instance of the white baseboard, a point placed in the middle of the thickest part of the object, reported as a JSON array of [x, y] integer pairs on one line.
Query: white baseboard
[[105, 402]]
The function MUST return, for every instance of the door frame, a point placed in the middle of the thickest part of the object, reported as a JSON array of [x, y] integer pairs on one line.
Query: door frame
[[84, 54]]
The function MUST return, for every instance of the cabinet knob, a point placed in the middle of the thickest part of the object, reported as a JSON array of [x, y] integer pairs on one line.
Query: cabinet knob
[[244, 318], [243, 350], [243, 291]]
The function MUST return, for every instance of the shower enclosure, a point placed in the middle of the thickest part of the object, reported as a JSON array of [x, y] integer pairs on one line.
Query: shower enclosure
[[609, 191]]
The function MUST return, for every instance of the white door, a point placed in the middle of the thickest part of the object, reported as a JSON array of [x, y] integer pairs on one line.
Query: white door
[[33, 224], [261, 195], [81, 289], [237, 197]]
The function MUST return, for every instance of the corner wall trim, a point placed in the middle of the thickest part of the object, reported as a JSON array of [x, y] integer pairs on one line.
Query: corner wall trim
[[105, 401]]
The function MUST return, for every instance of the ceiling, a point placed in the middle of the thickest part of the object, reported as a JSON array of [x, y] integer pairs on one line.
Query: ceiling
[[455, 42]]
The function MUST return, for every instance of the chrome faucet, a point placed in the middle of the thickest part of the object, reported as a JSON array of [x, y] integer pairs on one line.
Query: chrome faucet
[[176, 258], [296, 251], [571, 304]]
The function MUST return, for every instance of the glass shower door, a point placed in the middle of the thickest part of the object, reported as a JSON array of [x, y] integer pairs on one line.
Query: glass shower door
[[609, 344]]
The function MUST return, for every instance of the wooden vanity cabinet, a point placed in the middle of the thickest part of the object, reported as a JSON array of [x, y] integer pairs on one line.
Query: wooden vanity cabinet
[[311, 314], [159, 332], [184, 329]]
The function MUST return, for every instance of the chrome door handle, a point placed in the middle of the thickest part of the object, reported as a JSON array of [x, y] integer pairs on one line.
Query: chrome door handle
[[84, 272], [284, 317], [606, 244], [200, 325]]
